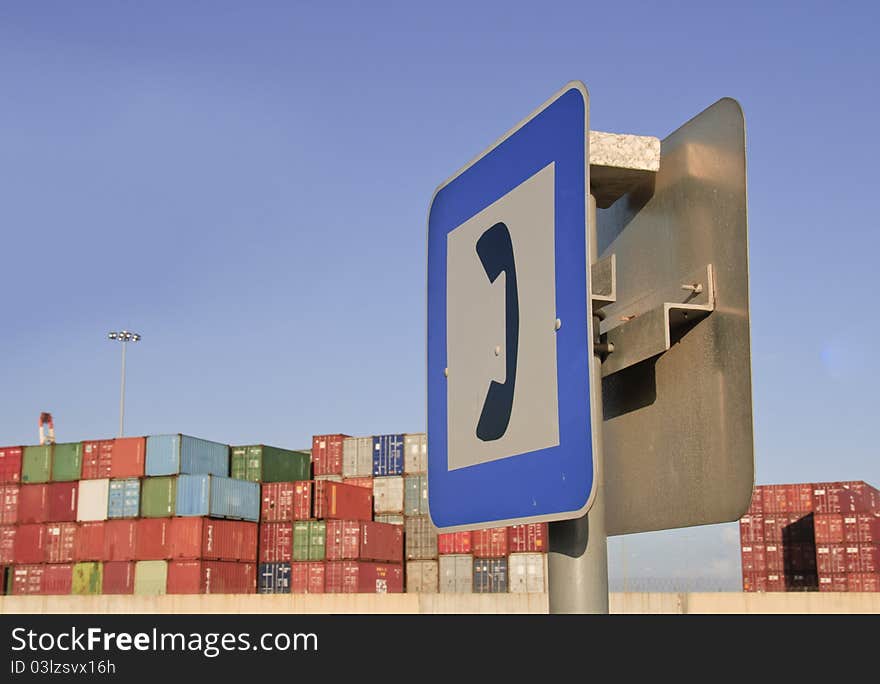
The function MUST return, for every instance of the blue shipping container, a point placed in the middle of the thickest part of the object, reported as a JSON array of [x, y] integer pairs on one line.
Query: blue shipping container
[[218, 497], [181, 454], [125, 498], [387, 455], [274, 578]]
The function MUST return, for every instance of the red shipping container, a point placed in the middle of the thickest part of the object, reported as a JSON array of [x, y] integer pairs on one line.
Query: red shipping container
[[302, 500], [751, 529], [118, 578], [775, 499], [33, 503], [757, 503], [97, 459], [153, 539], [754, 559], [276, 503], [341, 501], [491, 543], [307, 577], [774, 523], [352, 577], [754, 581], [62, 501], [10, 464], [60, 542], [830, 559], [454, 542], [799, 498], [774, 558], [380, 542], [208, 539], [30, 544], [42, 579], [833, 583], [276, 542], [826, 497], [7, 544], [9, 504], [851, 528], [343, 540], [119, 540], [828, 528], [775, 582], [864, 581], [128, 457], [211, 577], [868, 558], [531, 538], [868, 528], [90, 542], [327, 454], [365, 482]]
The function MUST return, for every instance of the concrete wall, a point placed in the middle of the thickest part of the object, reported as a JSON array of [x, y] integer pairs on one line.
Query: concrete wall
[[671, 603]]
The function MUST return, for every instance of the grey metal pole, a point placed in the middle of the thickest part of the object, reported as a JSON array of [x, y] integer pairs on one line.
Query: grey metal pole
[[122, 394], [578, 562]]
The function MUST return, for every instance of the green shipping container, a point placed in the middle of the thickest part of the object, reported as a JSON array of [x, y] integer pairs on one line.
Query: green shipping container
[[309, 540], [36, 463], [67, 462], [158, 497], [86, 578], [260, 463], [150, 577]]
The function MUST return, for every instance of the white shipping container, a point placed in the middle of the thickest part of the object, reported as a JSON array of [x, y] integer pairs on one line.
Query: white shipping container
[[421, 577], [527, 573], [357, 457], [329, 478], [93, 500], [389, 518], [415, 453], [388, 494], [456, 574]]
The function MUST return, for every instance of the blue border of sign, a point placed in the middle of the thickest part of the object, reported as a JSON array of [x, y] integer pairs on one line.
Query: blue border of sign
[[549, 484]]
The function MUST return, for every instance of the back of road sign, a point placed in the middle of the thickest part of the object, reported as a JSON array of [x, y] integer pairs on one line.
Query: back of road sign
[[509, 345]]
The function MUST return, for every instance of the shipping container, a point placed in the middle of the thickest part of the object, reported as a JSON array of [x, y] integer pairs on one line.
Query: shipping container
[[867, 528], [421, 539], [387, 455], [343, 540], [490, 543], [218, 497], [89, 542], [307, 577], [800, 498], [828, 528], [775, 499], [261, 463], [422, 577], [365, 482], [211, 577], [756, 506], [754, 558], [36, 464], [67, 462], [9, 504], [342, 502], [7, 544], [273, 578], [10, 464], [87, 578], [97, 459], [830, 559], [799, 558], [868, 558], [153, 539], [60, 543], [309, 540], [351, 577], [774, 558], [751, 529], [181, 454], [151, 578], [453, 543], [390, 518], [490, 575], [755, 581], [276, 502], [415, 495], [129, 457], [774, 523], [388, 495], [57, 579], [62, 501], [117, 578], [33, 503], [276, 543], [124, 498], [30, 544], [801, 582], [381, 542], [42, 579], [93, 502], [527, 573], [799, 529], [327, 454], [207, 539], [329, 478], [158, 497], [863, 581], [530, 538], [357, 457], [775, 582], [826, 497], [120, 539], [835, 583], [415, 453]]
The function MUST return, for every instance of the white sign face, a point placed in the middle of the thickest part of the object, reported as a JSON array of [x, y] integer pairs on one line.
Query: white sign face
[[502, 395]]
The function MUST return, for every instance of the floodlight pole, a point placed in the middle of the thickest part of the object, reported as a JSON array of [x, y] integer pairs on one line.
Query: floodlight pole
[[578, 559], [122, 394]]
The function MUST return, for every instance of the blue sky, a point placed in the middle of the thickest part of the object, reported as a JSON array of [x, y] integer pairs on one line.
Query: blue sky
[[247, 185]]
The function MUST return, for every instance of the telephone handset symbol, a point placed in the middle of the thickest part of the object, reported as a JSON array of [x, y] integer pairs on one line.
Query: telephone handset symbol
[[495, 250]]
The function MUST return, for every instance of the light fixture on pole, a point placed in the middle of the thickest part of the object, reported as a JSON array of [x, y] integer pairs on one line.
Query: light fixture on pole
[[125, 337]]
